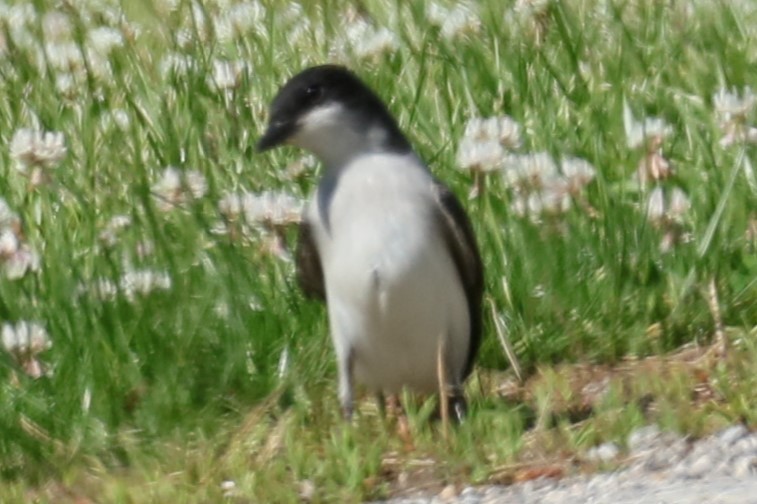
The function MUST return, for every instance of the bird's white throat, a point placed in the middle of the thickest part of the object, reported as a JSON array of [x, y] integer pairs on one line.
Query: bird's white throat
[[336, 136]]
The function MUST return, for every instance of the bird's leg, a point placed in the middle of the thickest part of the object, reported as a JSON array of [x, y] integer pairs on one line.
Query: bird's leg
[[442, 377], [381, 403], [346, 399], [451, 398], [457, 406]]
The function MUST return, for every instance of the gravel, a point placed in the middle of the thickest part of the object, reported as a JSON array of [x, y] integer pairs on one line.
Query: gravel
[[662, 468]]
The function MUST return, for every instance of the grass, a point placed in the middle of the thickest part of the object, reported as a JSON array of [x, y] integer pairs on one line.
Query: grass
[[228, 375]]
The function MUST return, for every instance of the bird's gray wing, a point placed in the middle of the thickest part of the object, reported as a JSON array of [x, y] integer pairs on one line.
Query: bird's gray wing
[[461, 242], [309, 270]]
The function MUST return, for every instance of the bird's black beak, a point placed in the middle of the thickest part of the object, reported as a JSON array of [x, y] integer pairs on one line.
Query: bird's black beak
[[276, 134]]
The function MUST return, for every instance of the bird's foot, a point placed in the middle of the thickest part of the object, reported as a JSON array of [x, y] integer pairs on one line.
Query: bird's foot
[[458, 408], [348, 411]]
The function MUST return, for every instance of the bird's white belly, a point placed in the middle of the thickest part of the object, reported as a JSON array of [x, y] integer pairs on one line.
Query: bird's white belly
[[393, 291]]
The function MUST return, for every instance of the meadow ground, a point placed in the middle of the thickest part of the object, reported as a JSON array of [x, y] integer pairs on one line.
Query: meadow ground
[[156, 347]]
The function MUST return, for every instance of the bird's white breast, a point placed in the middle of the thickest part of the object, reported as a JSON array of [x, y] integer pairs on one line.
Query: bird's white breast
[[392, 288]]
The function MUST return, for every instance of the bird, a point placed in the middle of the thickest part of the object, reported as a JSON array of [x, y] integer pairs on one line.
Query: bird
[[386, 245]]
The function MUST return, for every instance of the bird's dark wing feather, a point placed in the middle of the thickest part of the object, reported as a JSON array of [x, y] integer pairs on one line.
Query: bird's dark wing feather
[[309, 271], [459, 236]]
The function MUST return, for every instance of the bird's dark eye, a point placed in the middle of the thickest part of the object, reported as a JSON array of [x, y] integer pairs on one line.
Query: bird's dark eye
[[313, 93]]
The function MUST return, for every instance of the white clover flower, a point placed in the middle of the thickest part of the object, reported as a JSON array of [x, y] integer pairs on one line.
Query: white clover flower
[[578, 172], [101, 289], [20, 18], [462, 19], [455, 21], [31, 148], [65, 56], [291, 12], [553, 198], [199, 20], [104, 289], [25, 337], [528, 19], [109, 235], [480, 156], [116, 117], [196, 183], [239, 20], [656, 205], [508, 131], [227, 75], [104, 39], [737, 133], [365, 40], [230, 205], [678, 205], [379, 42], [436, 13], [23, 261], [653, 167], [519, 204], [268, 211], [484, 147], [475, 130], [184, 39], [56, 27], [118, 222], [664, 211], [650, 132], [529, 170], [652, 128], [503, 129], [302, 29], [730, 104], [20, 14], [16, 258], [734, 111], [9, 243], [668, 215], [167, 190], [176, 187], [99, 66], [531, 7], [135, 283], [66, 84], [273, 209], [25, 340], [176, 64]]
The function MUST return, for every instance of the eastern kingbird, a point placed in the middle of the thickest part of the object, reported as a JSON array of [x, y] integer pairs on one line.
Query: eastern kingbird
[[385, 244]]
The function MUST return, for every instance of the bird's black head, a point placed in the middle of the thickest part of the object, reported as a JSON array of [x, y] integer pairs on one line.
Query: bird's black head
[[325, 103]]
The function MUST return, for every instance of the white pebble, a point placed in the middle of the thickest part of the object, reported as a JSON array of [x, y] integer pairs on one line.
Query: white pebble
[[732, 434], [747, 445], [643, 438], [605, 452], [700, 467], [744, 467]]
